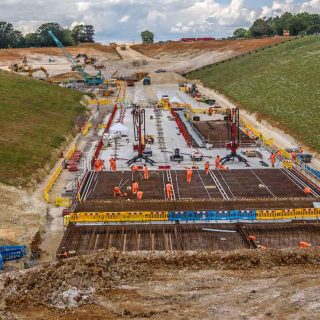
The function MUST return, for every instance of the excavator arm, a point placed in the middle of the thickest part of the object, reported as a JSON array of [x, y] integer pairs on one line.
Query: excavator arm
[[32, 71]]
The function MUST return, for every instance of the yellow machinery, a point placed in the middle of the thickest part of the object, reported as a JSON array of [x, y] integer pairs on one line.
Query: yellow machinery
[[32, 71]]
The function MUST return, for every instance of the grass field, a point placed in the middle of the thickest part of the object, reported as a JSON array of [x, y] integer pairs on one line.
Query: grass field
[[35, 119], [280, 84]]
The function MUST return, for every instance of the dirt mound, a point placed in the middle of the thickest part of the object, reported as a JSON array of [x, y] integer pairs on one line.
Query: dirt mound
[[76, 281], [165, 77], [178, 49], [68, 76]]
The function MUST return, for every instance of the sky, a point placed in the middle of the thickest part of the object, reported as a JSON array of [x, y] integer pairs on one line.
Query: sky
[[123, 20]]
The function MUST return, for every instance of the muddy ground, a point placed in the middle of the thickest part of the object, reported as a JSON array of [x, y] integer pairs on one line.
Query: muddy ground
[[271, 284]]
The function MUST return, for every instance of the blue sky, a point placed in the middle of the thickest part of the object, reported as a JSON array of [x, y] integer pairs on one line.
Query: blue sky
[[123, 20]]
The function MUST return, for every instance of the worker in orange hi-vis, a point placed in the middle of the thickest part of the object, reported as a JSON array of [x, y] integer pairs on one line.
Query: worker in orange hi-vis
[[169, 190], [273, 159], [97, 165], [139, 195], [134, 168], [117, 192], [189, 174], [304, 244], [114, 165], [307, 190], [278, 153], [218, 162], [252, 238], [293, 156], [300, 149], [207, 167], [135, 187], [223, 168], [145, 172]]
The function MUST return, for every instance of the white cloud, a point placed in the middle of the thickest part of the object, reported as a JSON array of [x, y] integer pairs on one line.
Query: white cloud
[[208, 15], [280, 7], [124, 19], [83, 6]]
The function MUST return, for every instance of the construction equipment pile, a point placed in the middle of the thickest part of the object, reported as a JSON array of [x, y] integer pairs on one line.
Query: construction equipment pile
[[75, 281]]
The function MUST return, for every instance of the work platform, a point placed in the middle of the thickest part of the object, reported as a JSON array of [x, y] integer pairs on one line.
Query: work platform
[[228, 185], [205, 236], [239, 189]]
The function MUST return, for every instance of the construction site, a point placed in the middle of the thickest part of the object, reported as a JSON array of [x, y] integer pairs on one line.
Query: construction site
[[164, 174]]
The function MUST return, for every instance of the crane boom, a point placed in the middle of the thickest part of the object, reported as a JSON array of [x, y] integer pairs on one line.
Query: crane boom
[[88, 79]]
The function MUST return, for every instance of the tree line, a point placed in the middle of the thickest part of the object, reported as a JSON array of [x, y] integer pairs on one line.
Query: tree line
[[296, 24], [11, 38]]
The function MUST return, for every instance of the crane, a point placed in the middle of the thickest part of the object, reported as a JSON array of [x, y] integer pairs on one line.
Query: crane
[[233, 125], [90, 80], [139, 124]]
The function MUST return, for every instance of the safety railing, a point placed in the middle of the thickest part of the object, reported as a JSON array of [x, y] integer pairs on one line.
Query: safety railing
[[181, 127], [48, 187], [100, 143]]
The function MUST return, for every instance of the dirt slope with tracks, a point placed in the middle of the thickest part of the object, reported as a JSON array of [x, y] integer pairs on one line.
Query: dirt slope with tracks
[[192, 49], [243, 284]]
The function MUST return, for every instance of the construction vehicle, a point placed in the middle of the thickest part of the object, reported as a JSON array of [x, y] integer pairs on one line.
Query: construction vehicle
[[11, 253], [15, 67], [146, 81], [89, 80], [28, 69], [87, 60], [176, 157], [123, 47], [32, 71], [130, 82], [24, 67]]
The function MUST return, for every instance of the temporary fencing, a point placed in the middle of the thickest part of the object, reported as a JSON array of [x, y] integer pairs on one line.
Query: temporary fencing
[[51, 182], [100, 144], [86, 128], [181, 127]]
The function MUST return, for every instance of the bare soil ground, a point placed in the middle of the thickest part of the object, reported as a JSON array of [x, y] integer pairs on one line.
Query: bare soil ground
[[40, 57], [21, 215], [89, 49], [192, 49], [244, 284]]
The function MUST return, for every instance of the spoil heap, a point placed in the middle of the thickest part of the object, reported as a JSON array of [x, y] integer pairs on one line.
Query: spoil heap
[[76, 281]]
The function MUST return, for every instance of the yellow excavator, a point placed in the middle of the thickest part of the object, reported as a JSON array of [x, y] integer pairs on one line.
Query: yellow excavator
[[32, 71], [27, 69]]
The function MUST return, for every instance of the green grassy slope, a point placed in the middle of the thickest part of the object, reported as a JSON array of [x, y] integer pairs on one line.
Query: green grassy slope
[[35, 118], [280, 84]]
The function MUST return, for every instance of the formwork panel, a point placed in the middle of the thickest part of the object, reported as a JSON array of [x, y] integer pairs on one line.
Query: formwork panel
[[151, 237], [208, 237]]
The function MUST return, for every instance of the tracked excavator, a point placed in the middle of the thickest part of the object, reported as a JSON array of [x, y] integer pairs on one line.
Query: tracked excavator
[[27, 69], [24, 67], [89, 80], [32, 71], [87, 60]]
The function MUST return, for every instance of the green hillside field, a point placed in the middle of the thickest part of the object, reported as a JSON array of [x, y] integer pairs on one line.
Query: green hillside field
[[280, 84], [35, 119]]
